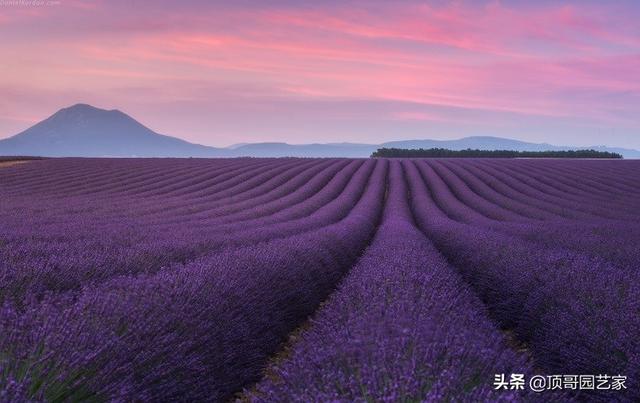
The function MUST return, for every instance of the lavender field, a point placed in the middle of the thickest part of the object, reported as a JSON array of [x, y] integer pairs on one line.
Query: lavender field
[[316, 279]]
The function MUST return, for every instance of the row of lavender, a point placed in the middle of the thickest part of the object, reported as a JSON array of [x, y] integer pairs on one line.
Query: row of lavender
[[180, 278], [574, 312], [109, 337], [403, 326], [122, 236]]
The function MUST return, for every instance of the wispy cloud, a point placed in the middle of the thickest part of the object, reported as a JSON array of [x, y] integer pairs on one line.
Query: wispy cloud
[[573, 63]]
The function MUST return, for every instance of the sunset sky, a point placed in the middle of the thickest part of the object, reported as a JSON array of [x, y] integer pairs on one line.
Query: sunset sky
[[224, 72]]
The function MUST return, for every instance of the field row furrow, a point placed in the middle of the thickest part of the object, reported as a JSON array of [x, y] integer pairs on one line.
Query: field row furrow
[[285, 279], [386, 334], [576, 314], [201, 331]]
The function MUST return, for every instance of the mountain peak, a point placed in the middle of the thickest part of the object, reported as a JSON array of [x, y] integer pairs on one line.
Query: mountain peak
[[86, 108], [81, 106], [84, 116]]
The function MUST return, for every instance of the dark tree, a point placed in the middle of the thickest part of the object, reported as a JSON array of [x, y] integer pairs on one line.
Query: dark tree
[[469, 153]]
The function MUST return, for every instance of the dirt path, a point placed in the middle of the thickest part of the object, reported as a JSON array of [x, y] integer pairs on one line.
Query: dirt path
[[4, 164]]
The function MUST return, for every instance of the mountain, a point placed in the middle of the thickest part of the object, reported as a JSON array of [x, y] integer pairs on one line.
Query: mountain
[[85, 131]]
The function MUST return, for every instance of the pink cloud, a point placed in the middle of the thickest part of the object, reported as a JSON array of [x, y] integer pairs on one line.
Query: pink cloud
[[418, 116], [536, 60]]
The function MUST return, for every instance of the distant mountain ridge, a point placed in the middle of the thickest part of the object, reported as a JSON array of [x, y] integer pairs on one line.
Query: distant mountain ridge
[[82, 130]]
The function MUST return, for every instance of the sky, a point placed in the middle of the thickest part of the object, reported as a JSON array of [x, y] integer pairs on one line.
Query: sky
[[226, 72]]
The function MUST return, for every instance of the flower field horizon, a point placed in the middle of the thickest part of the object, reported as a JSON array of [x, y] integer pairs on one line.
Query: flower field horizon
[[301, 279]]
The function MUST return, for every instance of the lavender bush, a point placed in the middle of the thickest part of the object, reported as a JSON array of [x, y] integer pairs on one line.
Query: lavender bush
[[316, 279]]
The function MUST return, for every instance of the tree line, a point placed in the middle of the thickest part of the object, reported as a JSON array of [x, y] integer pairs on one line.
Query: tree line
[[474, 153]]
